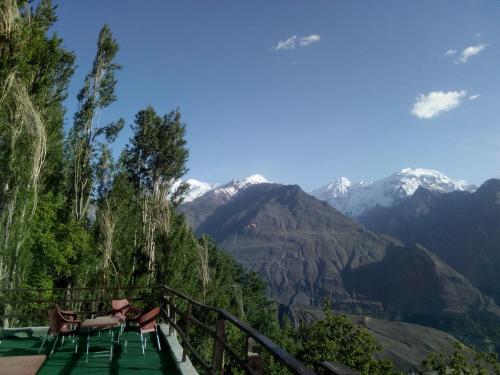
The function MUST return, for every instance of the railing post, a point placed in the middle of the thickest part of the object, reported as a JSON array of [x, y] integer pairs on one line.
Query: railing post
[[186, 333], [169, 313], [220, 336], [254, 360], [172, 315]]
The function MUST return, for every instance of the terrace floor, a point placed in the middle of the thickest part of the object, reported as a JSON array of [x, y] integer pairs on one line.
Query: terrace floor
[[64, 361]]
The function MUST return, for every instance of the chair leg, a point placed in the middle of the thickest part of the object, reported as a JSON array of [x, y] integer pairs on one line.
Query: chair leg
[[62, 342], [126, 342], [142, 344], [76, 344], [111, 346], [54, 346], [88, 342], [43, 342], [158, 339]]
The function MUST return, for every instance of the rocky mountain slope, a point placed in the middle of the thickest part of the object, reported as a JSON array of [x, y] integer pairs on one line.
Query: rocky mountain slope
[[307, 250], [462, 228], [356, 198]]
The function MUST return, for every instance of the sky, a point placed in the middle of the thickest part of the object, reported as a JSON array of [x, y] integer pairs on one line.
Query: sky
[[303, 92]]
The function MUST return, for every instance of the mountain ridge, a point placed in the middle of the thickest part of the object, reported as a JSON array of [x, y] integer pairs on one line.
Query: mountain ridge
[[462, 228], [307, 250], [356, 198]]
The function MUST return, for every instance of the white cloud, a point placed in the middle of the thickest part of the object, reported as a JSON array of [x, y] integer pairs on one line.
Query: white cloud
[[469, 52], [450, 52], [437, 102], [286, 44], [306, 40], [474, 97]]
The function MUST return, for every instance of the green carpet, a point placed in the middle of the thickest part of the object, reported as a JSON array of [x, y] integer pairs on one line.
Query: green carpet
[[64, 361]]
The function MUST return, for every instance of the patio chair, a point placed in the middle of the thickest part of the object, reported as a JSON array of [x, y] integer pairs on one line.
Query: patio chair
[[59, 326], [122, 309], [120, 306], [146, 323], [68, 314]]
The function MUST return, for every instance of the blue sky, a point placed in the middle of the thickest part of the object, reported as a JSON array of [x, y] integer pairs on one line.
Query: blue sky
[[376, 93]]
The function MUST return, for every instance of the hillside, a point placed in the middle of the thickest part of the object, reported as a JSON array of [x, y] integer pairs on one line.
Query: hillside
[[462, 228], [307, 250]]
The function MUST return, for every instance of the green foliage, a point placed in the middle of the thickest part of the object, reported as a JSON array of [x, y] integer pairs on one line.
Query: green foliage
[[335, 338], [158, 152], [83, 146], [34, 74], [461, 362]]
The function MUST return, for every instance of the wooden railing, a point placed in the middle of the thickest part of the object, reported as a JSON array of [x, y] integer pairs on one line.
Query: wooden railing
[[250, 363], [185, 317]]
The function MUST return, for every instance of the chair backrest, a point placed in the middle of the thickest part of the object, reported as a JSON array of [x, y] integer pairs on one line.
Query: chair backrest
[[65, 313], [120, 306], [148, 319], [55, 321]]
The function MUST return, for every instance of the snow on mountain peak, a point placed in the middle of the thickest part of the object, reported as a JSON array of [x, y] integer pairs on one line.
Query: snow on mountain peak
[[256, 179], [197, 189], [339, 186], [410, 179], [354, 199], [233, 187], [227, 191]]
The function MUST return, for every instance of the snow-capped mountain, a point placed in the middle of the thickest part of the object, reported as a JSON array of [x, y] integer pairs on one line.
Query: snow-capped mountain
[[197, 189], [355, 198], [233, 187], [224, 192]]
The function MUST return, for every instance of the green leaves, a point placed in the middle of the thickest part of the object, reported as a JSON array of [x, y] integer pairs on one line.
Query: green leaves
[[336, 338], [34, 71], [97, 93], [461, 361], [158, 151]]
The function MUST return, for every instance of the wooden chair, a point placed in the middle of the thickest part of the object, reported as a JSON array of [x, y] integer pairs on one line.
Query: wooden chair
[[146, 323], [59, 326]]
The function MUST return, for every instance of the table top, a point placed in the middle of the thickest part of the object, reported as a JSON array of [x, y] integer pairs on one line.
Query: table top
[[21, 364], [100, 323]]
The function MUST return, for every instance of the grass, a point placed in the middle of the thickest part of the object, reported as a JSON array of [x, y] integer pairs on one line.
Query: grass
[[64, 361]]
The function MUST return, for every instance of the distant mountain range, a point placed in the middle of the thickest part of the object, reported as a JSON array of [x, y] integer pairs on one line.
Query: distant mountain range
[[351, 198], [356, 198], [415, 251]]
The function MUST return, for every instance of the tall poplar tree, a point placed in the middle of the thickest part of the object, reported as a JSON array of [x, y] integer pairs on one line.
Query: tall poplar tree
[[156, 160], [34, 74], [97, 93]]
